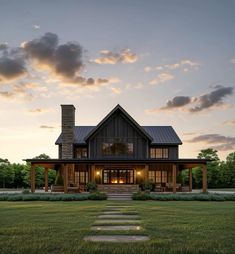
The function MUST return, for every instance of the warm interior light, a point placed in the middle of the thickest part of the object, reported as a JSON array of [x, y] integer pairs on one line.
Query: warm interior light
[[138, 173], [98, 173]]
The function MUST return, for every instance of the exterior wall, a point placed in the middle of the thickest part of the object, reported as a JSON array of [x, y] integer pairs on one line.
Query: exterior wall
[[68, 123], [119, 127]]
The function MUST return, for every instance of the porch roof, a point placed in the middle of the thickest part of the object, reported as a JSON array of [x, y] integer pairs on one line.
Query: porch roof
[[183, 163]]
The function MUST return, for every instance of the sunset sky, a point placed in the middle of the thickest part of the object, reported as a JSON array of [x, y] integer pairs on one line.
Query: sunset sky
[[165, 62]]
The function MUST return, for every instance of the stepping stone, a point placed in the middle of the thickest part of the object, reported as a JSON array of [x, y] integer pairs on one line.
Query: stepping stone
[[116, 216], [118, 206], [101, 222], [118, 227], [116, 238], [118, 212]]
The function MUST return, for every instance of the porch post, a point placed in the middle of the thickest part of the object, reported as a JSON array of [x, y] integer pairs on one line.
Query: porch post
[[174, 177], [32, 178], [204, 178], [46, 179], [65, 171], [92, 172], [146, 172], [190, 179]]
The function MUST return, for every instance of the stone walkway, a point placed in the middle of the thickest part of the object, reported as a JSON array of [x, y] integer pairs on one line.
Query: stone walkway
[[119, 218]]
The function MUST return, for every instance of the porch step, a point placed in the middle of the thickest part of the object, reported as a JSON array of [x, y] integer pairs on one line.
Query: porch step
[[119, 196], [118, 188]]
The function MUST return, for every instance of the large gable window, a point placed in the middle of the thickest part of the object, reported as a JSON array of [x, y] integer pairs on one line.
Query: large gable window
[[159, 153], [117, 148]]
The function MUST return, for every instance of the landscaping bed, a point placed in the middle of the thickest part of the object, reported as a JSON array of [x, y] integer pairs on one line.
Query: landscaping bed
[[53, 197], [183, 197]]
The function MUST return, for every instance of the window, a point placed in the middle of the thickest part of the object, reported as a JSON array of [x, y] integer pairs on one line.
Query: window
[[81, 177], [152, 176], [117, 149], [158, 176], [80, 152], [159, 153], [164, 176]]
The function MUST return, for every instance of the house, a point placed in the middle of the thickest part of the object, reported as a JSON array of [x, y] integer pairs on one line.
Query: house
[[118, 154]]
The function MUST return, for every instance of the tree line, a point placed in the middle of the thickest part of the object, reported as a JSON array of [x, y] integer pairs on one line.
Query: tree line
[[16, 175], [220, 174]]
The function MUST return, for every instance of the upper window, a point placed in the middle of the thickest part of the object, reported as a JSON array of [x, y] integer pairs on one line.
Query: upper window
[[117, 149], [159, 153], [81, 152]]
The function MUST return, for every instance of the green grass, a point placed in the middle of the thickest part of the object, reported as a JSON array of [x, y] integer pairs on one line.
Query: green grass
[[173, 227]]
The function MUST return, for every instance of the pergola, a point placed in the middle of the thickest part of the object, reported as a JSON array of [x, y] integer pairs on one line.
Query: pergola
[[65, 164]]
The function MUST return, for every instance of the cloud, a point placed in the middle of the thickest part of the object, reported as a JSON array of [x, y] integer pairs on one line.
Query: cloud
[[23, 90], [3, 46], [47, 127], [178, 101], [38, 110], [161, 78], [185, 65], [218, 142], [148, 68], [229, 122], [36, 27], [232, 61], [109, 57], [214, 98], [197, 104], [11, 68], [116, 90]]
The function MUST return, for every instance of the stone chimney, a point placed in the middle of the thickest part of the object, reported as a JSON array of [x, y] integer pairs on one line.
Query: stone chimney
[[67, 125]]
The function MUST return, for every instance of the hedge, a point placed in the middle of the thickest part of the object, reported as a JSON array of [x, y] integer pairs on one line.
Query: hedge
[[184, 197], [53, 197]]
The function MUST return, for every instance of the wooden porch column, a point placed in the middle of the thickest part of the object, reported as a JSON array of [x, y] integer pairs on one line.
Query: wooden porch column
[[65, 172], [93, 173], [32, 178], [174, 177], [204, 178], [190, 179], [46, 179], [146, 172]]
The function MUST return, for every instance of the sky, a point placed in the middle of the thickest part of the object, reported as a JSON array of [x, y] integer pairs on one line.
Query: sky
[[166, 62]]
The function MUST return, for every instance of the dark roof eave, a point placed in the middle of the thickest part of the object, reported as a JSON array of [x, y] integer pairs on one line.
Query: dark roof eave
[[54, 161]]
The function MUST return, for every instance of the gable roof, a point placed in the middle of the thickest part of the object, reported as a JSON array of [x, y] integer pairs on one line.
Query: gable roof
[[119, 108], [161, 135]]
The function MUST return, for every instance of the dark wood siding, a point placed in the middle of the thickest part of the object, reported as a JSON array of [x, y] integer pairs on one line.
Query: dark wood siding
[[118, 126]]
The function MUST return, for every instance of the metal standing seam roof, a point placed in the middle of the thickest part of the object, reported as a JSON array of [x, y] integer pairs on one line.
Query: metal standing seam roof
[[161, 135]]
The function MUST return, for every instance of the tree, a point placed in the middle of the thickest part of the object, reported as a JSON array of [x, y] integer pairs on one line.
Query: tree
[[228, 171], [6, 173], [213, 170]]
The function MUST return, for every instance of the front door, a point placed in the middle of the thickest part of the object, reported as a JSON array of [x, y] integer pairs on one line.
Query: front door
[[118, 176]]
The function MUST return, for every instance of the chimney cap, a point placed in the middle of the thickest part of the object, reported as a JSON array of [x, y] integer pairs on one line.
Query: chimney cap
[[67, 105]]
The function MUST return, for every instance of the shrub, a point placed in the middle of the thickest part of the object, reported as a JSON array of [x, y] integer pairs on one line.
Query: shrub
[[141, 196], [97, 196], [91, 186], [26, 191]]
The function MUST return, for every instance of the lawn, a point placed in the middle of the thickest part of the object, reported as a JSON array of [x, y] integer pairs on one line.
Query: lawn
[[173, 227]]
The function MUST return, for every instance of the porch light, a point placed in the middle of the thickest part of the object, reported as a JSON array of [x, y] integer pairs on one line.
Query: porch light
[[138, 173], [97, 173]]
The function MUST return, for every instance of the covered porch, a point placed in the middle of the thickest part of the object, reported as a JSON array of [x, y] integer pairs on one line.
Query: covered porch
[[77, 173]]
